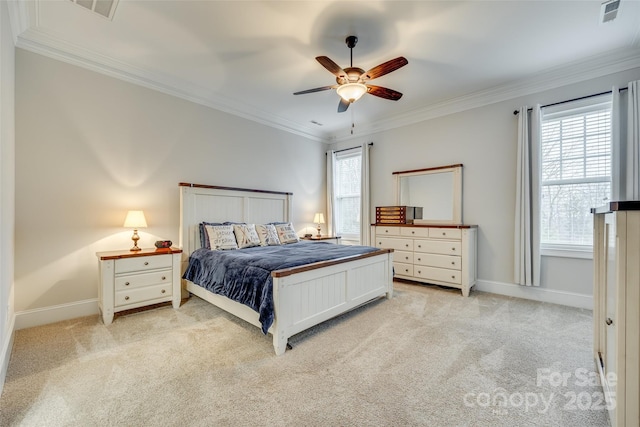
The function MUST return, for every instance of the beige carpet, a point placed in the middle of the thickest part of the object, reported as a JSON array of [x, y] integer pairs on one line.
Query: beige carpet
[[426, 357]]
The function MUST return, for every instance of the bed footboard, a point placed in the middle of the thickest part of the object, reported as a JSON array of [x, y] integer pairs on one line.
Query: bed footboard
[[307, 298]]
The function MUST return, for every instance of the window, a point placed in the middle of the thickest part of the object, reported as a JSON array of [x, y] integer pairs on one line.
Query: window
[[575, 171], [347, 175]]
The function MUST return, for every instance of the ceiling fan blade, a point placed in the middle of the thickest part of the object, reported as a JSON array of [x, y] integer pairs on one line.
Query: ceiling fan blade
[[317, 89], [343, 105], [333, 68], [384, 68], [384, 92]]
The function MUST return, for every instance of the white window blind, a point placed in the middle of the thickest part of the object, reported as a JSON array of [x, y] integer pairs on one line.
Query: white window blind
[[347, 175], [575, 170]]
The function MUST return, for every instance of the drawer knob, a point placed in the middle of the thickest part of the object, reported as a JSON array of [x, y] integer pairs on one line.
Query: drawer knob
[[126, 283], [419, 259], [413, 232], [126, 298], [146, 263], [419, 272], [379, 243], [164, 278], [453, 277], [406, 257], [609, 321], [420, 246], [444, 234], [406, 244], [386, 231], [453, 249], [163, 291], [406, 270]]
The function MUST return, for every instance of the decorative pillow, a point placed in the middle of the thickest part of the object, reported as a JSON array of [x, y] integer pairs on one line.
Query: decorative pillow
[[221, 237], [286, 233], [204, 237], [246, 235], [267, 234]]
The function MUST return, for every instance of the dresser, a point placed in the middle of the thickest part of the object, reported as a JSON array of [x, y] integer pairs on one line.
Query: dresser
[[136, 279], [438, 254], [616, 309]]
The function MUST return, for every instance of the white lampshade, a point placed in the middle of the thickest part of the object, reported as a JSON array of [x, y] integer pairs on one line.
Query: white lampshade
[[318, 218], [351, 91], [135, 219]]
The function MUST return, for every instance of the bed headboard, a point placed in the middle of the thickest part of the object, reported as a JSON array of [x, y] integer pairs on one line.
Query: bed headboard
[[219, 204]]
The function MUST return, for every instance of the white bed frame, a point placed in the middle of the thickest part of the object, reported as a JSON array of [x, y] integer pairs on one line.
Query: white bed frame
[[302, 296]]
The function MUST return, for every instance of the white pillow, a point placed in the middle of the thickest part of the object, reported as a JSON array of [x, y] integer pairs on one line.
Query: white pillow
[[286, 233], [221, 237], [246, 235], [267, 234]]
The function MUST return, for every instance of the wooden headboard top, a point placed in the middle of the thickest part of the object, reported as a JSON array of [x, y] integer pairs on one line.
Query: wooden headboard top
[[210, 203]]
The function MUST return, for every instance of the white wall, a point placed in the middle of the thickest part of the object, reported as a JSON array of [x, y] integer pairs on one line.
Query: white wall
[[484, 140], [90, 147], [7, 146]]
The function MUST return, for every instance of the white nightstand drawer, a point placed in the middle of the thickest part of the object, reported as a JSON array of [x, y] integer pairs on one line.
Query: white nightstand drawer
[[445, 233], [130, 281], [443, 261], [134, 296], [438, 247], [142, 263], [403, 269], [438, 274], [394, 243]]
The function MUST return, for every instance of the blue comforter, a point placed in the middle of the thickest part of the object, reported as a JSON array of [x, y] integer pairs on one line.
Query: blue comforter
[[244, 275]]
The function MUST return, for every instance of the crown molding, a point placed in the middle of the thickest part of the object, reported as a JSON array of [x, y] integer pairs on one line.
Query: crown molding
[[47, 44], [575, 72]]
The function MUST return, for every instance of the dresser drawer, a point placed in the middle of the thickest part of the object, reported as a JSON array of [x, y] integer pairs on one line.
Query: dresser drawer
[[125, 265], [387, 231], [394, 243], [138, 295], [402, 269], [130, 281], [438, 247], [443, 261], [403, 256], [438, 274], [414, 232], [445, 233]]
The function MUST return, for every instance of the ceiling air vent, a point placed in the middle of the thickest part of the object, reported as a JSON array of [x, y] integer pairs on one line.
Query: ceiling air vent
[[609, 10], [104, 8]]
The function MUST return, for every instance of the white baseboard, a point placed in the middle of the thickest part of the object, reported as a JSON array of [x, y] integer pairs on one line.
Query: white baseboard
[[55, 313], [536, 293], [5, 354]]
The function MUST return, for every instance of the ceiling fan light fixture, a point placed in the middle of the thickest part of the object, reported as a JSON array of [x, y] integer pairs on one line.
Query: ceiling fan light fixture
[[351, 92]]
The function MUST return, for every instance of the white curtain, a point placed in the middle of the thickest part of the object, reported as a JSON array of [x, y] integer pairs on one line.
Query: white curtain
[[331, 212], [365, 203], [617, 169], [527, 220], [633, 142]]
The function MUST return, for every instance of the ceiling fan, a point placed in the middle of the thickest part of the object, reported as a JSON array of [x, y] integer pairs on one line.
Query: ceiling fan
[[352, 81]]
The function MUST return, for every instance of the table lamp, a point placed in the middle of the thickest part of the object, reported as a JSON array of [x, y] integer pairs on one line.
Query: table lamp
[[318, 219], [135, 220]]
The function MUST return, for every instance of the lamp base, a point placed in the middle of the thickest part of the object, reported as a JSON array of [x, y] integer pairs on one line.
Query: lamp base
[[135, 239], [318, 235]]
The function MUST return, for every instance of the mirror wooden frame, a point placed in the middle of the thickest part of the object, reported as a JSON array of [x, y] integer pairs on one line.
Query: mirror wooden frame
[[456, 196]]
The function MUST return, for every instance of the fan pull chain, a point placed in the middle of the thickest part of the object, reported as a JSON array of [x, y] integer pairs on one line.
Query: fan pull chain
[[353, 121]]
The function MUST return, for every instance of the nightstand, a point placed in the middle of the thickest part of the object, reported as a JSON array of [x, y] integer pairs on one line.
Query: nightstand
[[323, 238], [137, 279]]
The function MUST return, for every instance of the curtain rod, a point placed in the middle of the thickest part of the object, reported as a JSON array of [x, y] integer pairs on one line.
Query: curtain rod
[[346, 149], [516, 112]]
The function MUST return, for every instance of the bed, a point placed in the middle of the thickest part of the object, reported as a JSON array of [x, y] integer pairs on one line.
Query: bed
[[303, 296]]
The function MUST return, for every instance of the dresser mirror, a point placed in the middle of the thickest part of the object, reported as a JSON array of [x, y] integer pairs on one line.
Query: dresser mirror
[[438, 191]]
